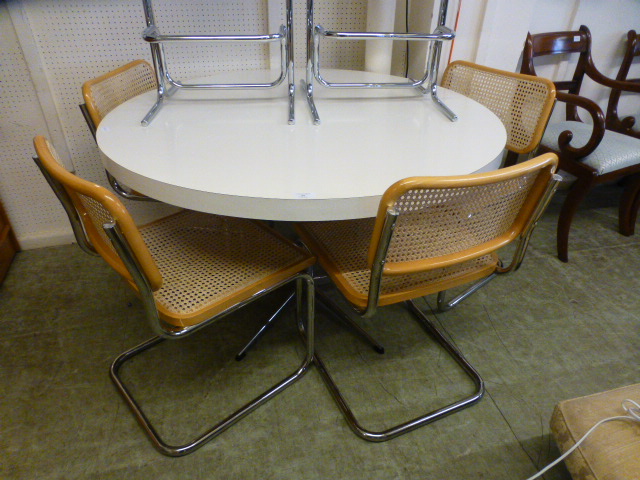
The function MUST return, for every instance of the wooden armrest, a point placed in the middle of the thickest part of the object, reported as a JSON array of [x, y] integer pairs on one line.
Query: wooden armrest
[[624, 85], [564, 140]]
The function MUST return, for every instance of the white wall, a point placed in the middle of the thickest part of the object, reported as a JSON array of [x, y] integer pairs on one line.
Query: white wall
[[492, 32], [49, 47]]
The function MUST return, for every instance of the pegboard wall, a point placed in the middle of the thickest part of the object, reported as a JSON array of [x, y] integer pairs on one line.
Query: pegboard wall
[[33, 209], [76, 40]]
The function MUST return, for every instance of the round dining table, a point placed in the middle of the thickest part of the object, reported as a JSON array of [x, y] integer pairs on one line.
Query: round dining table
[[233, 152]]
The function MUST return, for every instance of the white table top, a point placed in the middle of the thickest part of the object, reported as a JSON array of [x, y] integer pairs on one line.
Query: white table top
[[224, 153]]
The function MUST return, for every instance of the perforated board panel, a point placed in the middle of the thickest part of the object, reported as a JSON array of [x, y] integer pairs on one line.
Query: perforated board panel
[[340, 15], [31, 206]]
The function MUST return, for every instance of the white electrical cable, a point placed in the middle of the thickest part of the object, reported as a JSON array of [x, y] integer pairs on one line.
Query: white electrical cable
[[629, 406]]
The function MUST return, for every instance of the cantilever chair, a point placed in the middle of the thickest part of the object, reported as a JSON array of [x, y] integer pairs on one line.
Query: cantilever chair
[[629, 125], [522, 102], [189, 269], [431, 234], [587, 151], [106, 92]]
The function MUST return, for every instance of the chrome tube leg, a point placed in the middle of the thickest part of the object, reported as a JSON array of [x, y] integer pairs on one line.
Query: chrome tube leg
[[443, 305], [180, 450], [242, 353], [381, 436], [347, 321]]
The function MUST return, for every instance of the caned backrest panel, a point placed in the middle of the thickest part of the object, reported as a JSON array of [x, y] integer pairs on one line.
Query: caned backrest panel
[[96, 206], [106, 92], [522, 102], [446, 220]]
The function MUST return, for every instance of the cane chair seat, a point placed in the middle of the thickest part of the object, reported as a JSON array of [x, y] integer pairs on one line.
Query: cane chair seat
[[523, 103], [343, 248], [615, 151], [209, 263]]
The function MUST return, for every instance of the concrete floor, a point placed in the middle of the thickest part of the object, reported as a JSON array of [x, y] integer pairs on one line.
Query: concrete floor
[[549, 332]]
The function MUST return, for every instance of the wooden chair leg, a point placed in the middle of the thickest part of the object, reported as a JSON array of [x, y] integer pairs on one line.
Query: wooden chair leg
[[629, 203], [576, 194]]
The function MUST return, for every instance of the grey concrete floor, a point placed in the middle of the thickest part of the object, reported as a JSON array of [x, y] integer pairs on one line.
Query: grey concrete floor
[[550, 331]]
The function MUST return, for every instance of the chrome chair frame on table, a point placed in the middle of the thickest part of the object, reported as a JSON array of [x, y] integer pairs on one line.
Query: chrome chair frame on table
[[125, 249], [102, 94], [167, 85], [313, 71], [388, 260]]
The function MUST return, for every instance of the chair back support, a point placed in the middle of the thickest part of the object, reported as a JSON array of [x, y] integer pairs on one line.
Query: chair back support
[[96, 207], [556, 43], [104, 93], [522, 102], [442, 221], [627, 125]]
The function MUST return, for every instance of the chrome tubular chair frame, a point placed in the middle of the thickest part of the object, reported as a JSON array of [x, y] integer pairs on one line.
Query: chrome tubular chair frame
[[167, 85], [164, 332], [379, 264], [313, 70]]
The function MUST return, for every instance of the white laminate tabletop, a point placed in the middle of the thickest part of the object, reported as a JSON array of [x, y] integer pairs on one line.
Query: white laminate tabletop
[[225, 153]]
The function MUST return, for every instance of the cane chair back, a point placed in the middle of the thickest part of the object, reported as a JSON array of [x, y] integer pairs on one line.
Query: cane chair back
[[446, 233], [189, 269], [522, 102], [106, 92]]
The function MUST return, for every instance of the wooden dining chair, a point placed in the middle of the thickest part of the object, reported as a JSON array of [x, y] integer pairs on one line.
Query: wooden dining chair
[[106, 92], [629, 125], [588, 151], [431, 234], [189, 270], [523, 103]]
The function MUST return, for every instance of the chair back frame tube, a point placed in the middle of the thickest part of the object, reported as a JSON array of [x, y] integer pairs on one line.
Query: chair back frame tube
[[523, 243], [76, 225], [375, 282], [313, 69], [156, 41]]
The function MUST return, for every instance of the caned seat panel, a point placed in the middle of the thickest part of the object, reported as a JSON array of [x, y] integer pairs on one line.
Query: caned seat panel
[[209, 263], [522, 102], [106, 92], [342, 249]]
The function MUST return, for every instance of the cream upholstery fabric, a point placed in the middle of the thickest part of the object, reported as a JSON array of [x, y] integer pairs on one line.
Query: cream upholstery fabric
[[612, 451], [616, 151]]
